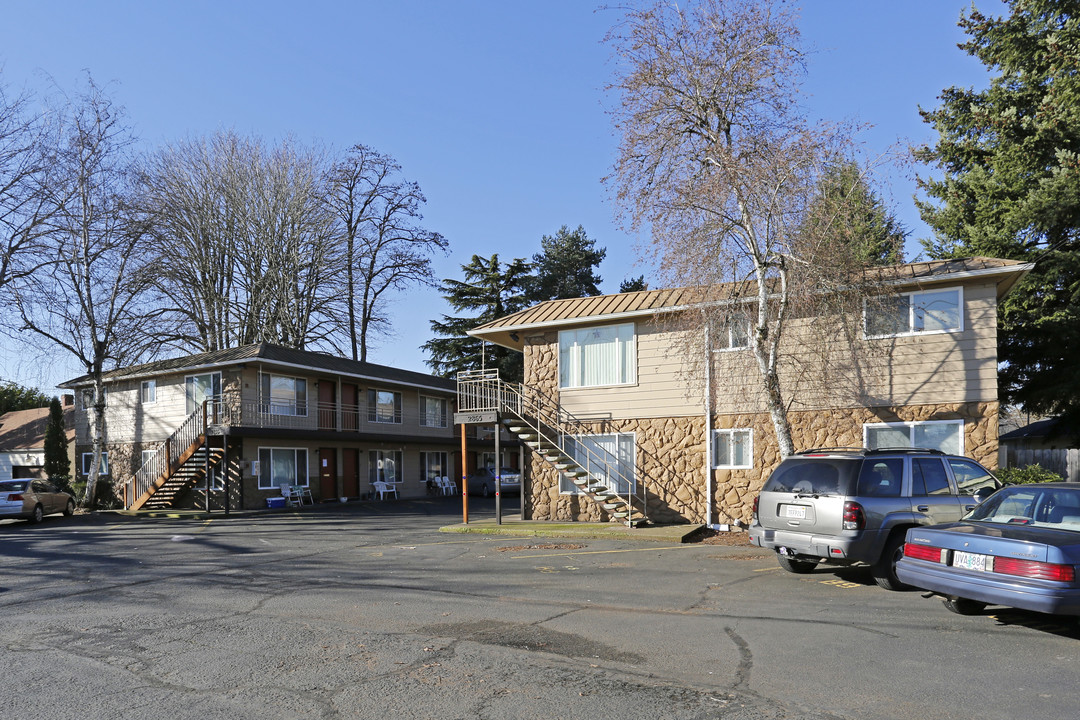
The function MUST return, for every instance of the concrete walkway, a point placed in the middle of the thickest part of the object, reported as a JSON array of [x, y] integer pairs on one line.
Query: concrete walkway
[[513, 525]]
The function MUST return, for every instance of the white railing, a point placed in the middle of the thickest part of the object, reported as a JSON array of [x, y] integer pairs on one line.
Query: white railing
[[166, 455], [483, 390]]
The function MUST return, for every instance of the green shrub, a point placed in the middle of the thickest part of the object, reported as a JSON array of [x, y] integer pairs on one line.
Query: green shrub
[[1027, 475]]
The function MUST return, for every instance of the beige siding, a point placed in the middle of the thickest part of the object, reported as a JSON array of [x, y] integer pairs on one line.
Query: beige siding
[[816, 371]]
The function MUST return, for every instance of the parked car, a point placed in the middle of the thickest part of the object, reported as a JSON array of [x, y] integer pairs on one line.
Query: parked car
[[844, 506], [33, 499], [1020, 548], [482, 482]]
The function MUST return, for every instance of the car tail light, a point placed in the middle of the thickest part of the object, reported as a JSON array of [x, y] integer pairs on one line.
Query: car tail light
[[854, 517], [1034, 569], [924, 552], [15, 497], [756, 498]]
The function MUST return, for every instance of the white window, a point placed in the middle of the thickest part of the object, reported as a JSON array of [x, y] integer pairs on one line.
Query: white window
[[284, 395], [148, 391], [944, 435], [596, 356], [88, 397], [384, 466], [202, 387], [929, 311], [608, 458], [433, 465], [146, 456], [432, 412], [734, 333], [733, 448], [282, 466], [384, 406], [88, 459]]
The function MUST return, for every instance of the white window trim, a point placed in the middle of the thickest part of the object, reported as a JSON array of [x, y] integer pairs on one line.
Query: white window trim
[[398, 457], [307, 470], [292, 409], [88, 460], [220, 382], [445, 414], [730, 433], [919, 333], [631, 372], [728, 332], [575, 490], [910, 427], [373, 411], [152, 386]]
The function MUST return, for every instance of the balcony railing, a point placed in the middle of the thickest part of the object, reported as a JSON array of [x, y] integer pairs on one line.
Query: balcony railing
[[310, 416]]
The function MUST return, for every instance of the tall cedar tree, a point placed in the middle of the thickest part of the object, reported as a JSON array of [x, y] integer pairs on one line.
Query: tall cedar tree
[[57, 462], [491, 289], [1010, 155], [566, 266], [847, 207]]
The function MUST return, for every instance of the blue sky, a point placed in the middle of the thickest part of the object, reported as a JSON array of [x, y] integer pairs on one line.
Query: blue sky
[[497, 109]]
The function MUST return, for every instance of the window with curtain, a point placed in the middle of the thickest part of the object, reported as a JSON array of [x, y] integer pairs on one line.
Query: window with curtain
[[433, 465], [202, 387], [384, 465], [384, 406], [596, 356], [432, 412], [282, 466], [930, 311], [733, 448], [284, 395], [608, 458], [944, 435]]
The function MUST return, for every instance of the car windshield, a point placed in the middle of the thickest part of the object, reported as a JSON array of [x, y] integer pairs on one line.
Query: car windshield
[[815, 476], [12, 486], [1032, 505]]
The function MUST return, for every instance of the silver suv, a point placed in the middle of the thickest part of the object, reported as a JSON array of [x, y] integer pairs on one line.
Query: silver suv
[[844, 506]]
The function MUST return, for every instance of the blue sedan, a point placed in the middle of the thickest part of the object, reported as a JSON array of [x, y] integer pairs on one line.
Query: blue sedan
[[1019, 548]]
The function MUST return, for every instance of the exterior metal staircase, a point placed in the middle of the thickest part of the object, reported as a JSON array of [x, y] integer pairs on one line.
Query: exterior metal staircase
[[176, 465], [561, 439]]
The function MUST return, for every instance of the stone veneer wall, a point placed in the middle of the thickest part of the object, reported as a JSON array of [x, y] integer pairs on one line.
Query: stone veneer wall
[[671, 454]]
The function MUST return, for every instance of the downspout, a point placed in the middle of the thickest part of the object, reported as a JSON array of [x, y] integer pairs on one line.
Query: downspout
[[709, 478]]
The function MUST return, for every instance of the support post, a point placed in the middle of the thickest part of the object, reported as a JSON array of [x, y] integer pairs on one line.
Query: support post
[[464, 479], [498, 473]]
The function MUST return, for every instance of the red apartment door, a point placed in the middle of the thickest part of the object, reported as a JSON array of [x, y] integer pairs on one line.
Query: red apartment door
[[328, 473], [350, 472], [350, 408], [327, 405]]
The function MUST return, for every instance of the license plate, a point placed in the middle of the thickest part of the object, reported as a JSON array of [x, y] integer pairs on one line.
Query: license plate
[[795, 511], [969, 561]]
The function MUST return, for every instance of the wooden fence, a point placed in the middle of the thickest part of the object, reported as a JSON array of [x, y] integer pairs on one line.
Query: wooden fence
[[1065, 462]]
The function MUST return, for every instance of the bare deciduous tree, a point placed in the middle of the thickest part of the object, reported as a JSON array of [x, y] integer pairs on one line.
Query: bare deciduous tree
[[718, 161], [250, 242], [86, 300], [385, 247], [27, 200]]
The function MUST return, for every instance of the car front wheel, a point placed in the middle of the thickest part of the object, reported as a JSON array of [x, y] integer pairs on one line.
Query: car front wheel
[[37, 515], [799, 567], [963, 606], [70, 509]]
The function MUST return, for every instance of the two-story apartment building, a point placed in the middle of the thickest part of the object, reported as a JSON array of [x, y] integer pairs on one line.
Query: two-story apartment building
[[237, 424], [685, 428]]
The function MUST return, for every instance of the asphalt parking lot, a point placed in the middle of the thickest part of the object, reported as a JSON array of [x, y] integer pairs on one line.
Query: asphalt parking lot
[[368, 611]]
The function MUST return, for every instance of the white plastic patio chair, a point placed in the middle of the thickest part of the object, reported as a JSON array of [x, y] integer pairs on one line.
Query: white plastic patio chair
[[383, 489], [450, 485]]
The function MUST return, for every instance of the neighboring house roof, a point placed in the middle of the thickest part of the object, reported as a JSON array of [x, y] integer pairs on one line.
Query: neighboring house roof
[[1039, 430], [272, 355], [25, 429], [507, 330]]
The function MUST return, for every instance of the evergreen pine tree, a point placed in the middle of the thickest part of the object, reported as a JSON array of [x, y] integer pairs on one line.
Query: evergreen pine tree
[[57, 462]]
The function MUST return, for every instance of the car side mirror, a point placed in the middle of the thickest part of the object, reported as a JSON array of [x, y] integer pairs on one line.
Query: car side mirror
[[982, 493]]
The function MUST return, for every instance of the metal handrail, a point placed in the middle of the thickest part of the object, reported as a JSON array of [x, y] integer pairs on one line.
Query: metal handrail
[[483, 390]]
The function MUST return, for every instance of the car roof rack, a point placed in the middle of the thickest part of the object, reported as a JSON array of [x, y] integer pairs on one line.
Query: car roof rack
[[832, 450], [900, 450]]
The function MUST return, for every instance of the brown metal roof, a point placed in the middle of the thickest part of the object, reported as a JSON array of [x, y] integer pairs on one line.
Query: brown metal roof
[[508, 330]]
